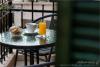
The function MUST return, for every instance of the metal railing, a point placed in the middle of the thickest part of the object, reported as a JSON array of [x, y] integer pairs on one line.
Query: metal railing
[[4, 26], [33, 10]]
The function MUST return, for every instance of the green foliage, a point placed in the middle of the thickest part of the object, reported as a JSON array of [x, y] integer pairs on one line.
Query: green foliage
[[4, 7]]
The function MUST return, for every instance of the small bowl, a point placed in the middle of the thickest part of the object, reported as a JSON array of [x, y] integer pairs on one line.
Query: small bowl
[[18, 33], [14, 35]]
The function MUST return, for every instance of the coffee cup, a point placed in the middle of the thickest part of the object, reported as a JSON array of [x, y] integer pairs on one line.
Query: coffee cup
[[31, 27]]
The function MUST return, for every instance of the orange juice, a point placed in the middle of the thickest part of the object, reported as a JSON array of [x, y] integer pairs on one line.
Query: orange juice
[[42, 27], [42, 41]]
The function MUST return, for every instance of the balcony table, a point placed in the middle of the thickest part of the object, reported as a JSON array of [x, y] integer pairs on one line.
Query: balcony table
[[29, 42]]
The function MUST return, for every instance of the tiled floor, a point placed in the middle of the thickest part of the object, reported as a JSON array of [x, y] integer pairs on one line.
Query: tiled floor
[[8, 60]]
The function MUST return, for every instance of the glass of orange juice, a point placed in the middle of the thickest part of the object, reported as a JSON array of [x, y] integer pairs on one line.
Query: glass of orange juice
[[42, 41], [42, 28]]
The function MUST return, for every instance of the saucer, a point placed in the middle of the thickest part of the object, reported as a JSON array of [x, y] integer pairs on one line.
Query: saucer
[[30, 34], [26, 33]]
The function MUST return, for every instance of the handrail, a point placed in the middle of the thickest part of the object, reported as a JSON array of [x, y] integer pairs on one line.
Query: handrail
[[29, 10]]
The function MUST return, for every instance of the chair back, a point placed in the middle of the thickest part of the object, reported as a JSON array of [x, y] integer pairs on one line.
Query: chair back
[[50, 23]]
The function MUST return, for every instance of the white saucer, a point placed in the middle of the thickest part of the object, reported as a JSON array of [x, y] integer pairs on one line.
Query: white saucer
[[27, 32]]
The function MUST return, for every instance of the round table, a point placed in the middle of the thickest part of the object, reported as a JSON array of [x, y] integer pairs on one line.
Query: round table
[[28, 40]]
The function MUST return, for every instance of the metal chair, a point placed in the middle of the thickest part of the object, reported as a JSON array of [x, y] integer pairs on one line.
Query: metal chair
[[50, 50]]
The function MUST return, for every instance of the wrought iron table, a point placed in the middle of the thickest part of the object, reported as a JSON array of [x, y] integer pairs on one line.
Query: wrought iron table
[[27, 41]]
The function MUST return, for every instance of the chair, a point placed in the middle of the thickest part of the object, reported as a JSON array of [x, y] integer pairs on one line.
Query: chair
[[42, 51], [49, 23], [50, 50]]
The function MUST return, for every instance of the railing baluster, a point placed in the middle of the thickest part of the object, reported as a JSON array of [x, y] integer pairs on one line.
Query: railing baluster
[[1, 55], [22, 15], [43, 11], [4, 53], [1, 22], [32, 9], [4, 22], [10, 15]]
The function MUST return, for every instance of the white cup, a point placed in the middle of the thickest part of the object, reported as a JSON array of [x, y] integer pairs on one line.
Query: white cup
[[31, 27]]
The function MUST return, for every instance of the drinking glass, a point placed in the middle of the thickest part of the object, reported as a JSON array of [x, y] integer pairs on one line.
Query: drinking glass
[[42, 41], [42, 28]]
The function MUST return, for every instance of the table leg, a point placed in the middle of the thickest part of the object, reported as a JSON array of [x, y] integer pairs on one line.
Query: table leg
[[4, 53], [1, 53], [37, 56], [31, 57], [10, 50], [25, 57], [16, 58]]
